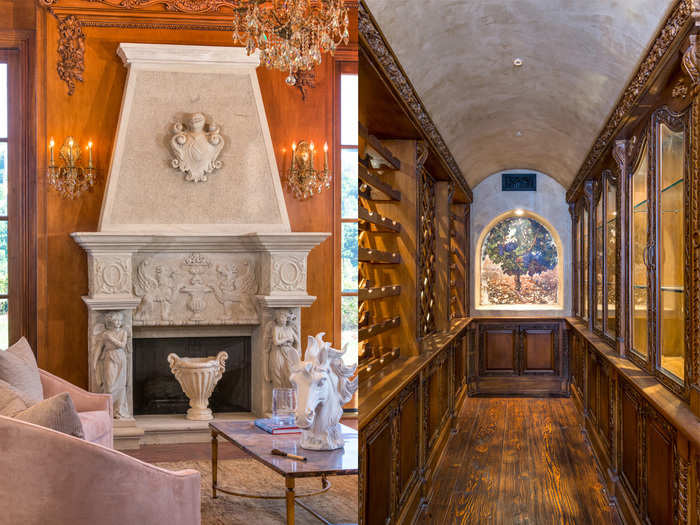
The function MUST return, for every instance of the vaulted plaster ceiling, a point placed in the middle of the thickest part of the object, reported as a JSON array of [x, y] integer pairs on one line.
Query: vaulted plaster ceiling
[[578, 56]]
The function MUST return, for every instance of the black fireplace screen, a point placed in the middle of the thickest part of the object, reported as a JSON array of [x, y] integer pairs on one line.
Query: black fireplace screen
[[156, 391]]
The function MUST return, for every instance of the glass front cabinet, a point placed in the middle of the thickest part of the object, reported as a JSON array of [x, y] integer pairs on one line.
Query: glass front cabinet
[[664, 252], [630, 231]]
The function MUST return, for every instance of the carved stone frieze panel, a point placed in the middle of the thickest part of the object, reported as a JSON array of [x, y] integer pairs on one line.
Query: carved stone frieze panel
[[195, 289], [109, 274], [288, 273]]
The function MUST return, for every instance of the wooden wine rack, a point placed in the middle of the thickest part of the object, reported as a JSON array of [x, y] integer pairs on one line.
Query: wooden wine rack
[[458, 267], [377, 251]]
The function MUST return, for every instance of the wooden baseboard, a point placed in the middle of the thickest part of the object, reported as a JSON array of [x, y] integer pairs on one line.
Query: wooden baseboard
[[522, 386]]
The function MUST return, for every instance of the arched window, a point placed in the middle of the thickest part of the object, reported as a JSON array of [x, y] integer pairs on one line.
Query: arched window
[[519, 263]]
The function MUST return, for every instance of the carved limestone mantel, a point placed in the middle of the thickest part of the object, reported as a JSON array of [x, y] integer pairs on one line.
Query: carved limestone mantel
[[192, 281], [178, 259]]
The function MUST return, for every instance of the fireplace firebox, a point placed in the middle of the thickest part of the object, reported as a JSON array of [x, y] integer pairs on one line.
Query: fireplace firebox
[[156, 391]]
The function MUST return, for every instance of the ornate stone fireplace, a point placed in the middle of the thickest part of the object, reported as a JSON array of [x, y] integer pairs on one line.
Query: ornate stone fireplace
[[194, 237]]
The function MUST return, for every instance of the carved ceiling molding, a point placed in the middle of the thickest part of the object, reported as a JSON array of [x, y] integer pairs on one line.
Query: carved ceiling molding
[[183, 6], [675, 23], [215, 15], [391, 68]]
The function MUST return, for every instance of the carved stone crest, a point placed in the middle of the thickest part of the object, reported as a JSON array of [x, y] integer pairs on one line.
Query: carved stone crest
[[196, 151]]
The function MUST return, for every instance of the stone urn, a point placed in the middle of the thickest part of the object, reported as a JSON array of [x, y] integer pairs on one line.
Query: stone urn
[[198, 376]]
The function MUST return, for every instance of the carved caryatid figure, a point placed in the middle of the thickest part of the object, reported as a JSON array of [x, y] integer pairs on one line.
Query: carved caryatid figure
[[154, 285], [196, 151], [110, 361], [282, 346]]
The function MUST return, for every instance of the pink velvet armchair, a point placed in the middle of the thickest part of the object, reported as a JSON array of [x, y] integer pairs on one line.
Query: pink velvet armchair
[[50, 477], [94, 410]]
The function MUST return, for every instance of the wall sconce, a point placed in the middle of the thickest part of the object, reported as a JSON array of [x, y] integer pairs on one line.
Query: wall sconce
[[71, 179], [303, 179]]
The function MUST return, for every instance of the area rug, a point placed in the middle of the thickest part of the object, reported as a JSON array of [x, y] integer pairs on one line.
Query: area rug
[[338, 505]]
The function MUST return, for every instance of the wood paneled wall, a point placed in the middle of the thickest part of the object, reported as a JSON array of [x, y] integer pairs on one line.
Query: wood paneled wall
[[92, 113], [402, 435], [521, 357], [647, 441], [17, 14]]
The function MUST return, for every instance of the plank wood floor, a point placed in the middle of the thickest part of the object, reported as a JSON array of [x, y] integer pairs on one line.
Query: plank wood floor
[[518, 461]]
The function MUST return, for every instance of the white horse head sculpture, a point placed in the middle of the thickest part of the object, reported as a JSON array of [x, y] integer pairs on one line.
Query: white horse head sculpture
[[323, 387]]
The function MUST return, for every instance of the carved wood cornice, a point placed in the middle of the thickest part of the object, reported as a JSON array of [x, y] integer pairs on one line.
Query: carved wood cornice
[[386, 60], [677, 22], [198, 15]]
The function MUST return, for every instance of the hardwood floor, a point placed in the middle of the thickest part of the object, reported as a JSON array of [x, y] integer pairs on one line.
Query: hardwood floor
[[518, 461]]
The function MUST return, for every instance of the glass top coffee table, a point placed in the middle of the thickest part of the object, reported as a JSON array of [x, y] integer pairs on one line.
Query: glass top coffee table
[[258, 444]]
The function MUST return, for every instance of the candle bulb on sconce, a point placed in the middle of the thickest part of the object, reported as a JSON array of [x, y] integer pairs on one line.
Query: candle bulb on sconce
[[303, 179], [71, 179]]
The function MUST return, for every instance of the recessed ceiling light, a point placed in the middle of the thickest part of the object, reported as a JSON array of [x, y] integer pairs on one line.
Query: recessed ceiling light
[[517, 62], [519, 212]]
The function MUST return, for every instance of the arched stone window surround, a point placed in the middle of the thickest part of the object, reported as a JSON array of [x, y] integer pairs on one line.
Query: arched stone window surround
[[561, 263]]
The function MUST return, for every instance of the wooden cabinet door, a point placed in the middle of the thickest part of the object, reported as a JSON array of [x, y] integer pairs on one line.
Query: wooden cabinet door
[[499, 350], [540, 350]]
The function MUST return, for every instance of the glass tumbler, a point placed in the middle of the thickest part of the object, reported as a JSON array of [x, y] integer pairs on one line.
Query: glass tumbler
[[284, 406]]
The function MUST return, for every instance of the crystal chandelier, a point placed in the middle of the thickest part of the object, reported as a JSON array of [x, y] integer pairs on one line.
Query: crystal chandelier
[[292, 34]]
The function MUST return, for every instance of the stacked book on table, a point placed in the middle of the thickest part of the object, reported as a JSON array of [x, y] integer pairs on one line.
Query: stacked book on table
[[271, 426]]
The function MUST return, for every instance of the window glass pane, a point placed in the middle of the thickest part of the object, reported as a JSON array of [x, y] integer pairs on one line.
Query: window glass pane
[[640, 284], [671, 251], [611, 259], [348, 325], [4, 333], [3, 257], [348, 257], [3, 178], [3, 101], [598, 319], [577, 273], [348, 183], [348, 110], [584, 264]]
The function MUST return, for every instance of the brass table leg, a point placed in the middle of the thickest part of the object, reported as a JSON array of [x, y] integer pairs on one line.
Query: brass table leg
[[289, 482], [214, 461]]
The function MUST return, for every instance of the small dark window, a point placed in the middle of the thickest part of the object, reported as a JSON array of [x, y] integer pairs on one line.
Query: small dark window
[[519, 182]]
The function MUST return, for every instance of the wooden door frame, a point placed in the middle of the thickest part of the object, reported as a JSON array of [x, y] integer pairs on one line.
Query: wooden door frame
[[18, 47]]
